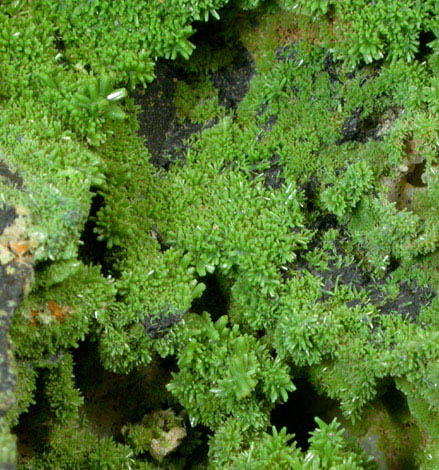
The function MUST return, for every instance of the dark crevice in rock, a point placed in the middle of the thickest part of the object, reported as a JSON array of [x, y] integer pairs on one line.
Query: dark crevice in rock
[[93, 251], [60, 45], [165, 136], [425, 38], [393, 400], [400, 455], [157, 112], [7, 216], [319, 225], [273, 175], [414, 176], [9, 177], [393, 265], [325, 222], [209, 35], [112, 400], [407, 182], [33, 427], [194, 449], [233, 80], [350, 276], [214, 300], [219, 56], [407, 303], [298, 413]]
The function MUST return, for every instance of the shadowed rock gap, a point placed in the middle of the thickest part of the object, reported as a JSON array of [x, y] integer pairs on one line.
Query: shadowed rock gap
[[394, 401], [214, 299], [112, 400], [393, 428], [414, 177], [228, 64], [298, 413], [218, 56], [32, 430], [93, 251], [10, 178], [157, 119], [425, 38]]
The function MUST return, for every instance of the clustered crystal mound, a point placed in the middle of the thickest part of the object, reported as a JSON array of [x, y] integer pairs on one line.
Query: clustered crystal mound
[[218, 229]]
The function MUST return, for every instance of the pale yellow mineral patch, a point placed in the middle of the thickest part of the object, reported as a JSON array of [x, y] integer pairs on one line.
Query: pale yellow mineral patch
[[159, 448]]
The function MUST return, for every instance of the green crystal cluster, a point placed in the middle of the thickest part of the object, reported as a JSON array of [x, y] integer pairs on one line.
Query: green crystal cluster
[[309, 201]]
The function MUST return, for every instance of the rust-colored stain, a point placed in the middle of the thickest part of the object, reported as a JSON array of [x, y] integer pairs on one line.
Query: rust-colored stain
[[57, 311], [20, 248]]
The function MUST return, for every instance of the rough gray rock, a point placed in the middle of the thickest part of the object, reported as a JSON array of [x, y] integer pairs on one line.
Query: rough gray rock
[[15, 279]]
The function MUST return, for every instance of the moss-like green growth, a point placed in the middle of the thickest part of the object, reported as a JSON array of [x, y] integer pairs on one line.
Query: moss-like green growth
[[159, 433], [197, 102], [309, 193]]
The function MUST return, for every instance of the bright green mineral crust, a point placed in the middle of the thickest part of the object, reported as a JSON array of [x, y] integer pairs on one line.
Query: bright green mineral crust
[[219, 235]]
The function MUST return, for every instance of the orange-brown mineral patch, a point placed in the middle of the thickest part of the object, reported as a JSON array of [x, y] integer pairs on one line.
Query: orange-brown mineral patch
[[51, 311], [58, 311], [20, 248]]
